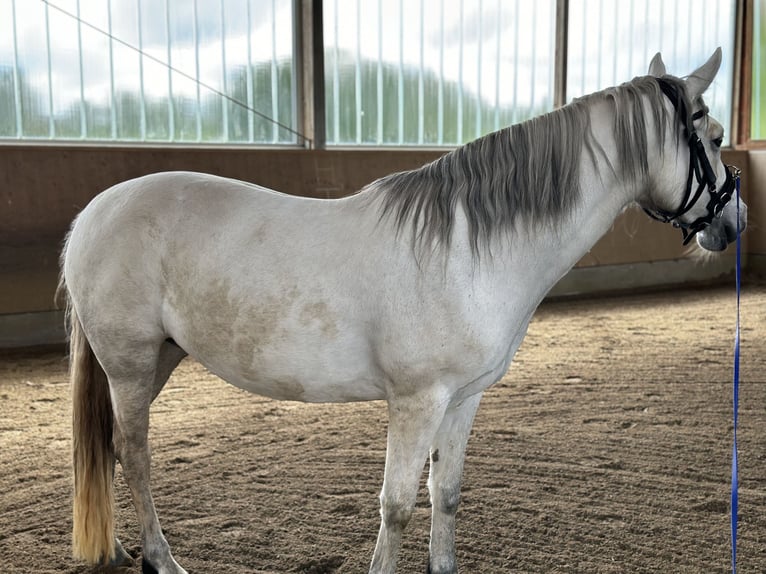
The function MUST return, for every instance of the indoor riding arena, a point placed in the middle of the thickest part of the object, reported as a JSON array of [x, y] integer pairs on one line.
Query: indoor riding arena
[[606, 446]]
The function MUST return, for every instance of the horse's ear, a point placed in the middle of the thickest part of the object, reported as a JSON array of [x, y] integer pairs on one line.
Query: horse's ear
[[701, 78], [657, 66]]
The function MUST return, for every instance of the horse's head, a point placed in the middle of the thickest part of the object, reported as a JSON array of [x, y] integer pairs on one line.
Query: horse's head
[[695, 191]]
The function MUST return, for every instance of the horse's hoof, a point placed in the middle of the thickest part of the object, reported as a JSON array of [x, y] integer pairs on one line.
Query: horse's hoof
[[147, 568], [121, 558]]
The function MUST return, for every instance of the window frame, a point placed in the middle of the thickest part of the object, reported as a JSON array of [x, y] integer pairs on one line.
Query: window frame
[[743, 90]]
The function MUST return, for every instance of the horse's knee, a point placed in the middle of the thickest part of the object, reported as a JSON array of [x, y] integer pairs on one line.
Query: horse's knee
[[395, 513]]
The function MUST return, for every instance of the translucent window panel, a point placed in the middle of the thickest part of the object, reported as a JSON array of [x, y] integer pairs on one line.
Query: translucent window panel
[[9, 95], [434, 72], [210, 69], [758, 105], [612, 42], [66, 74], [97, 79], [29, 59], [237, 22], [155, 74], [128, 81], [148, 70], [272, 76], [185, 94]]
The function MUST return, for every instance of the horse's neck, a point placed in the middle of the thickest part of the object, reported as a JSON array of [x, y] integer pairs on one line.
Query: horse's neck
[[551, 251]]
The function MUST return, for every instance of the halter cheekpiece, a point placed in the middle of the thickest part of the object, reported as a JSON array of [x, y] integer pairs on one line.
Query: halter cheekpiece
[[699, 169]]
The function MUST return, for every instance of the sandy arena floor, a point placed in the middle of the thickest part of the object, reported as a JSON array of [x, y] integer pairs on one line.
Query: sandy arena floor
[[606, 448]]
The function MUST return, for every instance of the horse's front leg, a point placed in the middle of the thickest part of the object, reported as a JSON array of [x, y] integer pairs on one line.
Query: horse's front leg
[[447, 456], [413, 421]]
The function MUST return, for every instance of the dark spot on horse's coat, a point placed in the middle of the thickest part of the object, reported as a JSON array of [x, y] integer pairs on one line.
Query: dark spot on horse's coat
[[435, 456], [320, 314]]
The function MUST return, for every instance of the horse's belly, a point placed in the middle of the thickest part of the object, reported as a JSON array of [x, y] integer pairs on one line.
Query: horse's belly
[[297, 368], [312, 390]]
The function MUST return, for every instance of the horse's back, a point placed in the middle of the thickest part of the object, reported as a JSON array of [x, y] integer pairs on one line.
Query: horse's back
[[165, 212], [168, 198]]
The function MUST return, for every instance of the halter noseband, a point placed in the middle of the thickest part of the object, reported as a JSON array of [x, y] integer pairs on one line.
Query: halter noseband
[[699, 168]]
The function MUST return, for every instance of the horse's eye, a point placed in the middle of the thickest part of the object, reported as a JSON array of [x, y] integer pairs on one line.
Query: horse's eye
[[718, 142]]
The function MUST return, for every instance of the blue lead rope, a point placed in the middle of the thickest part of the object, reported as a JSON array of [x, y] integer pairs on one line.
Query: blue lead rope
[[734, 464]]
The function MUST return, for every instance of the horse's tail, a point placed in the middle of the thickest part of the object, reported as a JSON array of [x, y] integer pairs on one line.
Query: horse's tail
[[92, 451]]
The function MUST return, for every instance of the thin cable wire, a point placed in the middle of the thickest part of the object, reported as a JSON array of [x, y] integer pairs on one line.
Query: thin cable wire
[[182, 73]]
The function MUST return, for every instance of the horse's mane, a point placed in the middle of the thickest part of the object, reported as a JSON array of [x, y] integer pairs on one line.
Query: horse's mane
[[528, 171]]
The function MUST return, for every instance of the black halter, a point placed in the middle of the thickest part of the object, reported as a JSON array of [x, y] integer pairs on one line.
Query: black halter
[[699, 168]]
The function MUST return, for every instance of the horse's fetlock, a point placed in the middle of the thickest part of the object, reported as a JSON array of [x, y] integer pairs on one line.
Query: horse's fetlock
[[446, 568], [446, 499]]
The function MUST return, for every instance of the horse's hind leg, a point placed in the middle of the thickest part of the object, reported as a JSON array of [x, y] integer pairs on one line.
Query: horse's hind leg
[[447, 456], [134, 385]]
